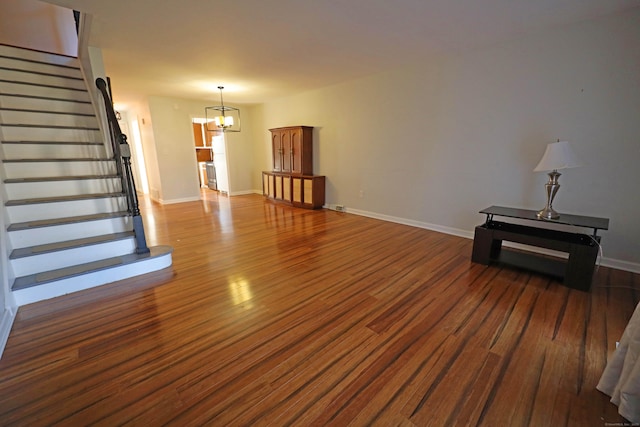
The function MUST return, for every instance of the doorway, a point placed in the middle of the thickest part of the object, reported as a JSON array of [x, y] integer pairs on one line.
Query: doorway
[[211, 157]]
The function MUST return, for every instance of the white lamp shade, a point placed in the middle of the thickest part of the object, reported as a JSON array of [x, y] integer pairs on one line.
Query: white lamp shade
[[224, 121], [558, 155]]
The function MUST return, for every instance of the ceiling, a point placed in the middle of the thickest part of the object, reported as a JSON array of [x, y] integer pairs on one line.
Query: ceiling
[[262, 49]]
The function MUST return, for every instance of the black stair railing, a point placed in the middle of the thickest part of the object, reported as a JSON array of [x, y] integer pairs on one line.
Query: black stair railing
[[122, 157]]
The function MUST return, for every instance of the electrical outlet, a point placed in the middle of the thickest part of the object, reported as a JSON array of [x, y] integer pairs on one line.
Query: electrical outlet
[[340, 208]]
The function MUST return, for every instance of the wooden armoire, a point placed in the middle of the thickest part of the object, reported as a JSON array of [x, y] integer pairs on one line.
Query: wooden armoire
[[292, 181]]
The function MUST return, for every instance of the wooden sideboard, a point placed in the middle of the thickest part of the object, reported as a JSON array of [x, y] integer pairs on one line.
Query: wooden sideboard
[[292, 180], [303, 191]]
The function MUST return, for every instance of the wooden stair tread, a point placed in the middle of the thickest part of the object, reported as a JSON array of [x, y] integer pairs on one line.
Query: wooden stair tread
[[72, 159], [31, 110], [18, 82], [75, 197], [77, 270], [40, 73], [53, 142], [67, 220], [27, 125], [69, 244], [36, 61], [46, 98], [59, 178]]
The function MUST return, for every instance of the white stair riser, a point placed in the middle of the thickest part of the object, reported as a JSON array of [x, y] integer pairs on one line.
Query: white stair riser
[[61, 233], [41, 211], [38, 56], [18, 64], [27, 190], [46, 104], [44, 79], [50, 92], [25, 133], [87, 281], [31, 118], [67, 258], [53, 151], [51, 169]]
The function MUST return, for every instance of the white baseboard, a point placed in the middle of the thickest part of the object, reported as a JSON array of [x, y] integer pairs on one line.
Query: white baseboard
[[6, 322], [245, 192], [172, 201], [605, 262]]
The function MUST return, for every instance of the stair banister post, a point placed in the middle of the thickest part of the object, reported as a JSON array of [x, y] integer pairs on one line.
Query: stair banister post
[[122, 156]]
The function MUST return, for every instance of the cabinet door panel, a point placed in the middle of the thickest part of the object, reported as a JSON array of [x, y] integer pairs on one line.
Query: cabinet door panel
[[308, 191], [286, 151], [286, 188], [297, 190], [278, 187], [272, 187], [276, 144], [296, 150]]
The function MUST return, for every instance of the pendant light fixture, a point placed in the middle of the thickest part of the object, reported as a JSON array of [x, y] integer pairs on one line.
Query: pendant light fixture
[[221, 117]]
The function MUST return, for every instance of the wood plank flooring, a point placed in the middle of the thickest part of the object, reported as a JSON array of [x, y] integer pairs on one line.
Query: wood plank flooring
[[278, 316]]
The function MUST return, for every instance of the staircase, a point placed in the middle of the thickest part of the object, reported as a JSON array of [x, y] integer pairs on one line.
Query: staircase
[[69, 226]]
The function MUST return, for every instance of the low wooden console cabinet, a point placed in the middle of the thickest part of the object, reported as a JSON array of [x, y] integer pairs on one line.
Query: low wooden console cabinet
[[577, 271], [303, 191]]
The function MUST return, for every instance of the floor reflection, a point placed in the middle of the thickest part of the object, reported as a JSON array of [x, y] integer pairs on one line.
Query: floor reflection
[[240, 291]]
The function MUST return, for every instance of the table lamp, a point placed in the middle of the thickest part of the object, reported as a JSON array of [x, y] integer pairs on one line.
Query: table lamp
[[558, 155]]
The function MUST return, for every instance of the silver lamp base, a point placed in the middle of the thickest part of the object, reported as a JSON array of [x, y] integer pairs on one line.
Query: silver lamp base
[[552, 188], [548, 213]]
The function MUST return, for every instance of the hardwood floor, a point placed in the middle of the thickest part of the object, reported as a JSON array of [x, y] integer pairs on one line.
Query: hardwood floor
[[278, 316]]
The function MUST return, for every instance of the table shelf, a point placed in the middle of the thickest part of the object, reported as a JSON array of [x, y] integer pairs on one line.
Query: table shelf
[[576, 271]]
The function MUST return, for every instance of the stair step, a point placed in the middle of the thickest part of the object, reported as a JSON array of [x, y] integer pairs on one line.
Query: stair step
[[43, 85], [58, 178], [82, 269], [61, 199], [52, 127], [47, 91], [23, 97], [57, 187], [70, 71], [53, 119], [41, 69], [67, 220], [73, 255], [69, 244], [64, 209], [87, 148], [42, 78], [25, 168], [52, 143], [43, 160], [31, 110], [47, 133], [38, 56]]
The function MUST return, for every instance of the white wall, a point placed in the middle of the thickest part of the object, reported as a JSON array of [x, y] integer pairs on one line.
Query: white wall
[[436, 142], [38, 25]]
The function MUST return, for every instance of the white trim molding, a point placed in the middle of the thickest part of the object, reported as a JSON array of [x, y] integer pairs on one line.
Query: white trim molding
[[6, 322]]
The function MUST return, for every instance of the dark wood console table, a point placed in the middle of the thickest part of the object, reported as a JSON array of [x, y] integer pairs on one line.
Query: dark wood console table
[[577, 270]]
